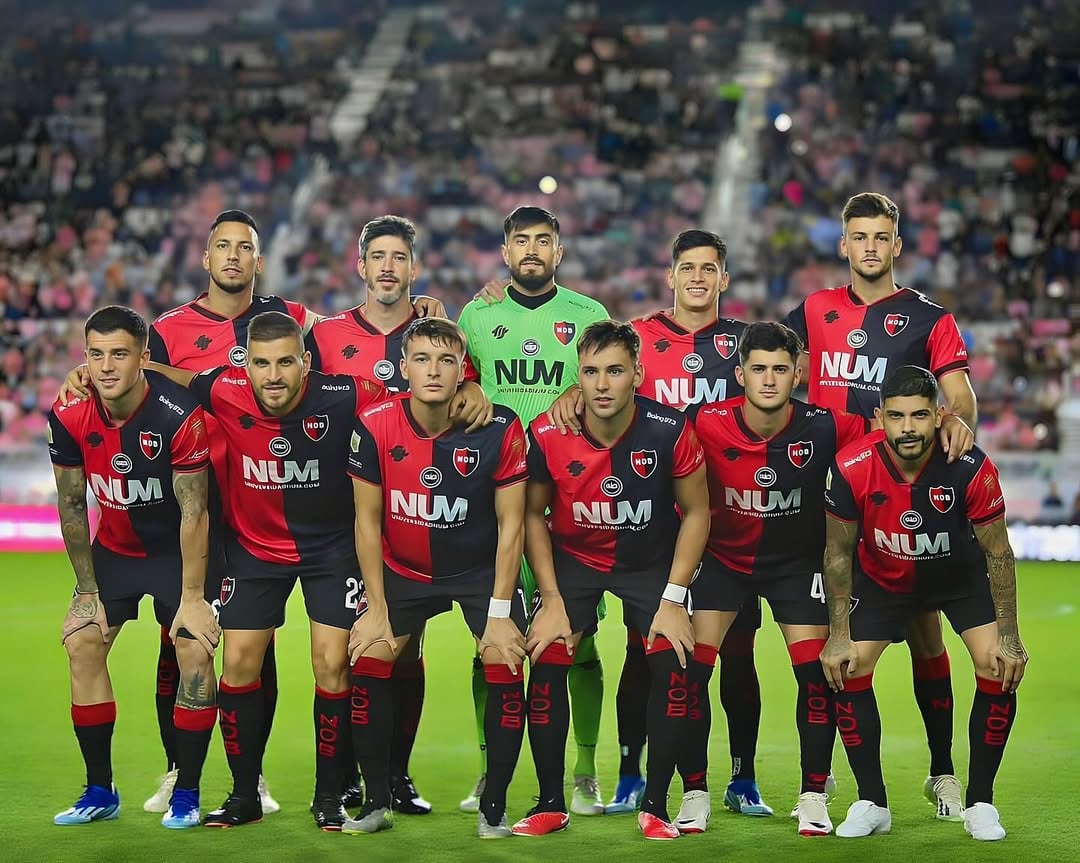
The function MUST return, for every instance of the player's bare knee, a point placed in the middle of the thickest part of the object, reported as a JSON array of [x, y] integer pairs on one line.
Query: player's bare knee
[[192, 658], [924, 637], [331, 668], [86, 651], [242, 664]]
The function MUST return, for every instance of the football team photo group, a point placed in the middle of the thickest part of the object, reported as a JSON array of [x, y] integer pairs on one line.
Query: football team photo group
[[530, 463]]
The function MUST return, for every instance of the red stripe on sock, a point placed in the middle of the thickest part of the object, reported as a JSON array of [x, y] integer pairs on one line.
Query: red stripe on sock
[[990, 687], [859, 684], [501, 674], [104, 712], [705, 654], [659, 645], [165, 635], [737, 644], [240, 690], [332, 696], [808, 650], [934, 668], [200, 719], [369, 666], [555, 654]]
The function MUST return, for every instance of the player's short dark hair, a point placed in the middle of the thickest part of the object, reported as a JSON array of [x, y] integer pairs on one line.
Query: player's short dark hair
[[110, 319], [870, 205], [695, 238], [605, 334], [269, 326], [769, 336], [388, 226], [441, 331], [234, 216], [526, 217], [910, 381]]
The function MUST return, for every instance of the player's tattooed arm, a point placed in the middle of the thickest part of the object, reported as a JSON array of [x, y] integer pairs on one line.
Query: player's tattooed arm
[[197, 691], [840, 541], [75, 525], [1009, 657], [191, 494]]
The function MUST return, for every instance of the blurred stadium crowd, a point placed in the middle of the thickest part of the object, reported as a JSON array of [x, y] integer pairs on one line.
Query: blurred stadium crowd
[[129, 127]]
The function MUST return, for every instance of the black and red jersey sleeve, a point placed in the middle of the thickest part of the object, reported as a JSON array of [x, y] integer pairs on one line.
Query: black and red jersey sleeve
[[297, 311], [945, 347], [159, 351], [839, 498], [202, 385], [311, 345], [849, 428], [364, 455], [190, 450], [537, 460], [689, 455], [369, 393], [512, 466], [63, 449], [984, 499], [796, 320]]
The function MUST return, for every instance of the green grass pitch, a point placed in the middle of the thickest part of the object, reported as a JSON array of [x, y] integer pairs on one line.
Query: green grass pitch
[[41, 771]]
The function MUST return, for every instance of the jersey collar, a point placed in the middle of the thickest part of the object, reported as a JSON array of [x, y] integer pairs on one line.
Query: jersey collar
[[856, 300], [530, 302]]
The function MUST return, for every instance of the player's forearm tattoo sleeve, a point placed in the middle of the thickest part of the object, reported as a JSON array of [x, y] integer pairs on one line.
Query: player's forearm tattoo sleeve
[[1001, 568], [196, 692], [840, 539], [75, 526], [190, 490]]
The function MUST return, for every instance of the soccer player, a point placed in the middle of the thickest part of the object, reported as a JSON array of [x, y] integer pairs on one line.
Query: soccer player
[[439, 517], [908, 531], [141, 442], [611, 493], [855, 335], [766, 457], [524, 351]]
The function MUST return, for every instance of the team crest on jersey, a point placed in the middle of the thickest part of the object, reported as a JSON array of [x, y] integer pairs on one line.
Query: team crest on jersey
[[725, 344], [316, 427], [565, 331], [800, 452], [150, 443], [643, 461], [942, 497], [228, 588], [466, 460], [895, 324]]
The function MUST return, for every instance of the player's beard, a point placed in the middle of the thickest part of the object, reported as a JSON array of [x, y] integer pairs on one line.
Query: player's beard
[[385, 297], [895, 444], [886, 270], [291, 393], [532, 282], [233, 287]]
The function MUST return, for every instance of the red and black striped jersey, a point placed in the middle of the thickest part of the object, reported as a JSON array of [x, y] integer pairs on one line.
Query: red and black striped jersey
[[683, 367], [613, 508], [765, 493], [130, 467], [438, 492], [914, 535], [348, 344], [853, 346], [287, 483]]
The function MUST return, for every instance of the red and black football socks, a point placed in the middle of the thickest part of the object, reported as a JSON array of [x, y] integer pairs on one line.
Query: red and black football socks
[[333, 738], [693, 762], [504, 727], [168, 675], [859, 724], [407, 684], [549, 723], [268, 675], [992, 715], [668, 710], [740, 696], [479, 695], [194, 727], [241, 718], [815, 714], [94, 725], [933, 693], [631, 705], [371, 713]]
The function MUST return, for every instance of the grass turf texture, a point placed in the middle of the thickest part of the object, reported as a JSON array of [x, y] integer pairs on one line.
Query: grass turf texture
[[42, 771]]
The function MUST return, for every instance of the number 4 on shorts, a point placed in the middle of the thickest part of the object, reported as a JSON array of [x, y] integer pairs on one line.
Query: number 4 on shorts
[[817, 587]]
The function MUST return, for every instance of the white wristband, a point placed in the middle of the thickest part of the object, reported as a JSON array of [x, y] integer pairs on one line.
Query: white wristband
[[674, 593], [498, 607]]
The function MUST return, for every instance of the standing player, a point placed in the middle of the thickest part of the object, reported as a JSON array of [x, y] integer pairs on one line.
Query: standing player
[[439, 517], [612, 526], [141, 442], [767, 456], [854, 336], [524, 351], [919, 532]]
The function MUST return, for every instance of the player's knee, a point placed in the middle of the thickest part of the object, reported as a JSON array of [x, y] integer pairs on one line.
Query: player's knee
[[331, 668], [242, 664], [192, 658], [86, 651], [924, 636]]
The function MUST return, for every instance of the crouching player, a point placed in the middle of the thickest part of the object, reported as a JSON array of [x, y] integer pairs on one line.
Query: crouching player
[[439, 518], [141, 442]]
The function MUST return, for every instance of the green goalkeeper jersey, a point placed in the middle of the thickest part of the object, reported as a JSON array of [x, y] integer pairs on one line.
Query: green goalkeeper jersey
[[525, 348]]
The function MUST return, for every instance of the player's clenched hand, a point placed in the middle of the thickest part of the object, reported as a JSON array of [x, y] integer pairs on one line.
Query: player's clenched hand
[[369, 629], [839, 651], [429, 307], [197, 617], [673, 623], [76, 385], [1009, 659], [492, 292], [86, 609], [565, 412], [472, 408], [956, 437], [550, 624], [501, 634]]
